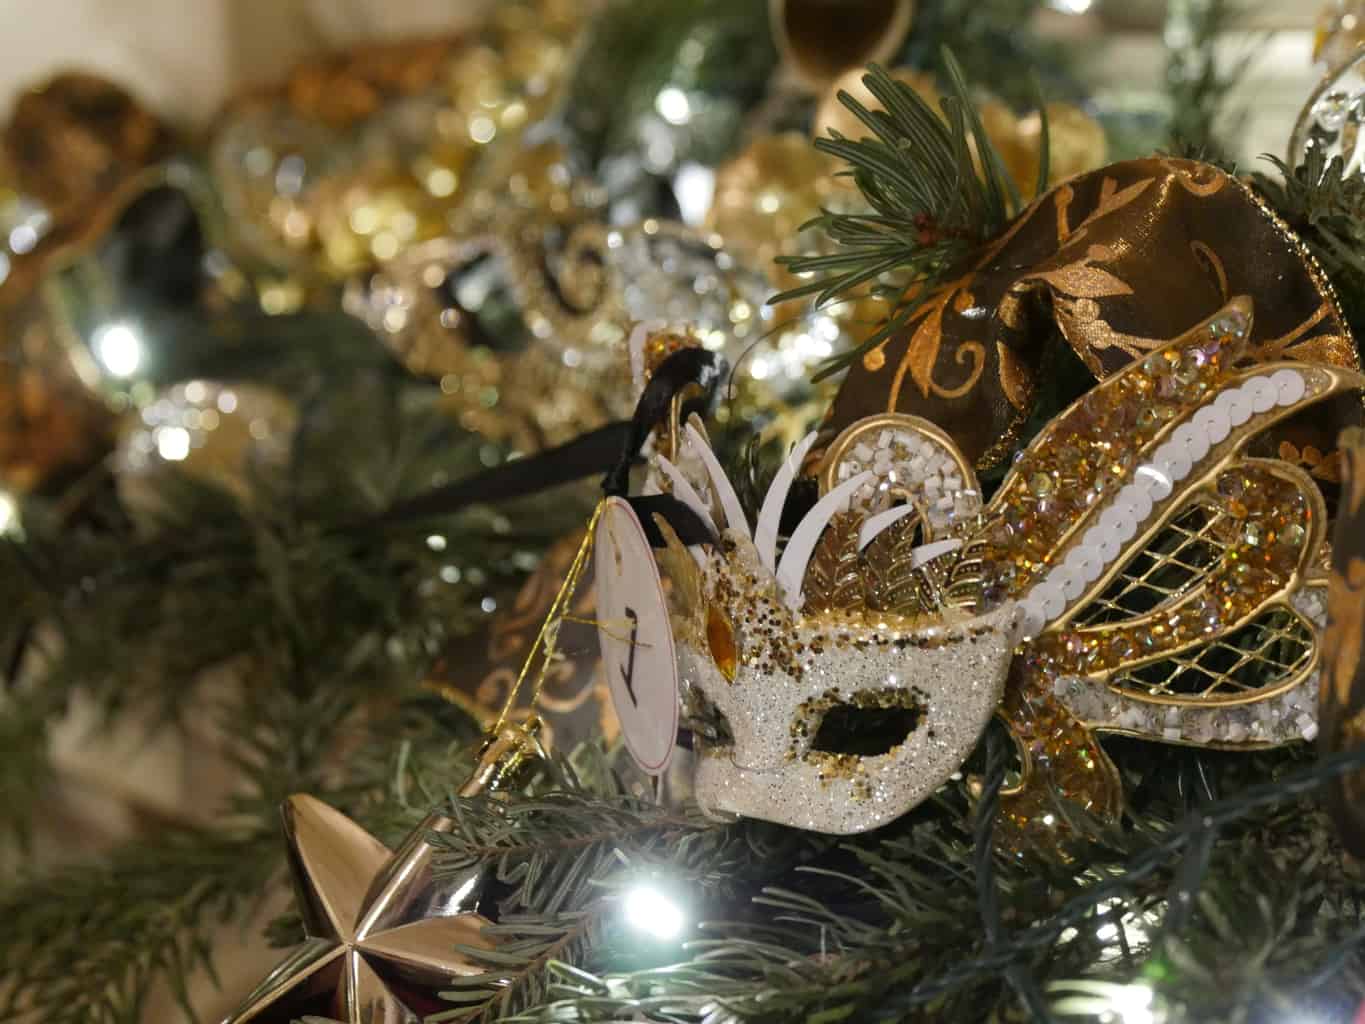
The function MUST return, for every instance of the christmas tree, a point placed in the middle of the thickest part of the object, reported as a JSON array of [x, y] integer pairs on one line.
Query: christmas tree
[[696, 512]]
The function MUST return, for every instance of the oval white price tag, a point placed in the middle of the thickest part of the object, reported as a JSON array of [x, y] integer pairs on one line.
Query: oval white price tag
[[636, 637]]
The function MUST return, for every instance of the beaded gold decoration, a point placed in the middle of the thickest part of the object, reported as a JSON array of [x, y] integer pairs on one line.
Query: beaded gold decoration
[[1136, 572], [573, 287], [358, 155]]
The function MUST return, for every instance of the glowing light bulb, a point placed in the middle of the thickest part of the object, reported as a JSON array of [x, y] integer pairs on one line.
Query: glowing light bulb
[[9, 514], [650, 911], [673, 106], [173, 443], [694, 186], [119, 348], [1132, 1004]]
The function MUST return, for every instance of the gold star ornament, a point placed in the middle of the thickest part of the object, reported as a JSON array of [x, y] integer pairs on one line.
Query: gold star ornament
[[383, 934]]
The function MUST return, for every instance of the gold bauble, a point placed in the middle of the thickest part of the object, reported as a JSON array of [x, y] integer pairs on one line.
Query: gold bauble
[[357, 156], [75, 139], [1076, 144], [832, 116], [1076, 140], [765, 193], [818, 40], [214, 432], [371, 217], [71, 150], [50, 423], [1002, 128]]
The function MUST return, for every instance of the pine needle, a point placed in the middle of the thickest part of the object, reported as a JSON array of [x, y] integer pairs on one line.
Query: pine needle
[[936, 189]]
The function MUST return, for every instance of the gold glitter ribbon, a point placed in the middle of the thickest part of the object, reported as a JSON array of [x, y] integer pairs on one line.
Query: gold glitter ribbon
[[546, 638], [1116, 261]]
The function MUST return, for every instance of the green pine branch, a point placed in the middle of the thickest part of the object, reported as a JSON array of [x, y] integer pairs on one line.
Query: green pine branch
[[303, 590], [556, 852], [85, 943], [1227, 909], [1198, 84], [935, 188], [319, 619], [1326, 208]]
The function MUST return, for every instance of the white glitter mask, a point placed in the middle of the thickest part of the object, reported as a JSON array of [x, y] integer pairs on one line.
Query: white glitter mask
[[838, 685]]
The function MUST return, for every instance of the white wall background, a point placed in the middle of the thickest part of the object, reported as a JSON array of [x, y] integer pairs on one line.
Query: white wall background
[[185, 57]]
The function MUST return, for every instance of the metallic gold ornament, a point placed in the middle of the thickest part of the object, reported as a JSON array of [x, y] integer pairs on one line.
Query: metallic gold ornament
[[1160, 583], [1342, 694], [358, 156], [766, 192], [71, 143], [524, 314], [49, 421], [819, 40], [1169, 584], [382, 932], [1076, 144], [763, 196], [1076, 140], [215, 432], [68, 156], [515, 312]]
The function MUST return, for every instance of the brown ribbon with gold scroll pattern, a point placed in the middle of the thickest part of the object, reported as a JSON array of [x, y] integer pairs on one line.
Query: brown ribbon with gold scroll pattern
[[1341, 701], [575, 705], [1117, 261]]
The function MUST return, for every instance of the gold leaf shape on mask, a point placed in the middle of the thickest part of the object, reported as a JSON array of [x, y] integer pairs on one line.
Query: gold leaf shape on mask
[[834, 581], [684, 580], [895, 584]]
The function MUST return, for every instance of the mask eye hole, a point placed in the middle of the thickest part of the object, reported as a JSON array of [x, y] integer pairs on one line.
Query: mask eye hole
[[720, 638], [866, 732], [705, 720]]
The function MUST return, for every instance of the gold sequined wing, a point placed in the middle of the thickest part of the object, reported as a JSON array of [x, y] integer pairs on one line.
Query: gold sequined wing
[[1208, 632], [1165, 579]]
